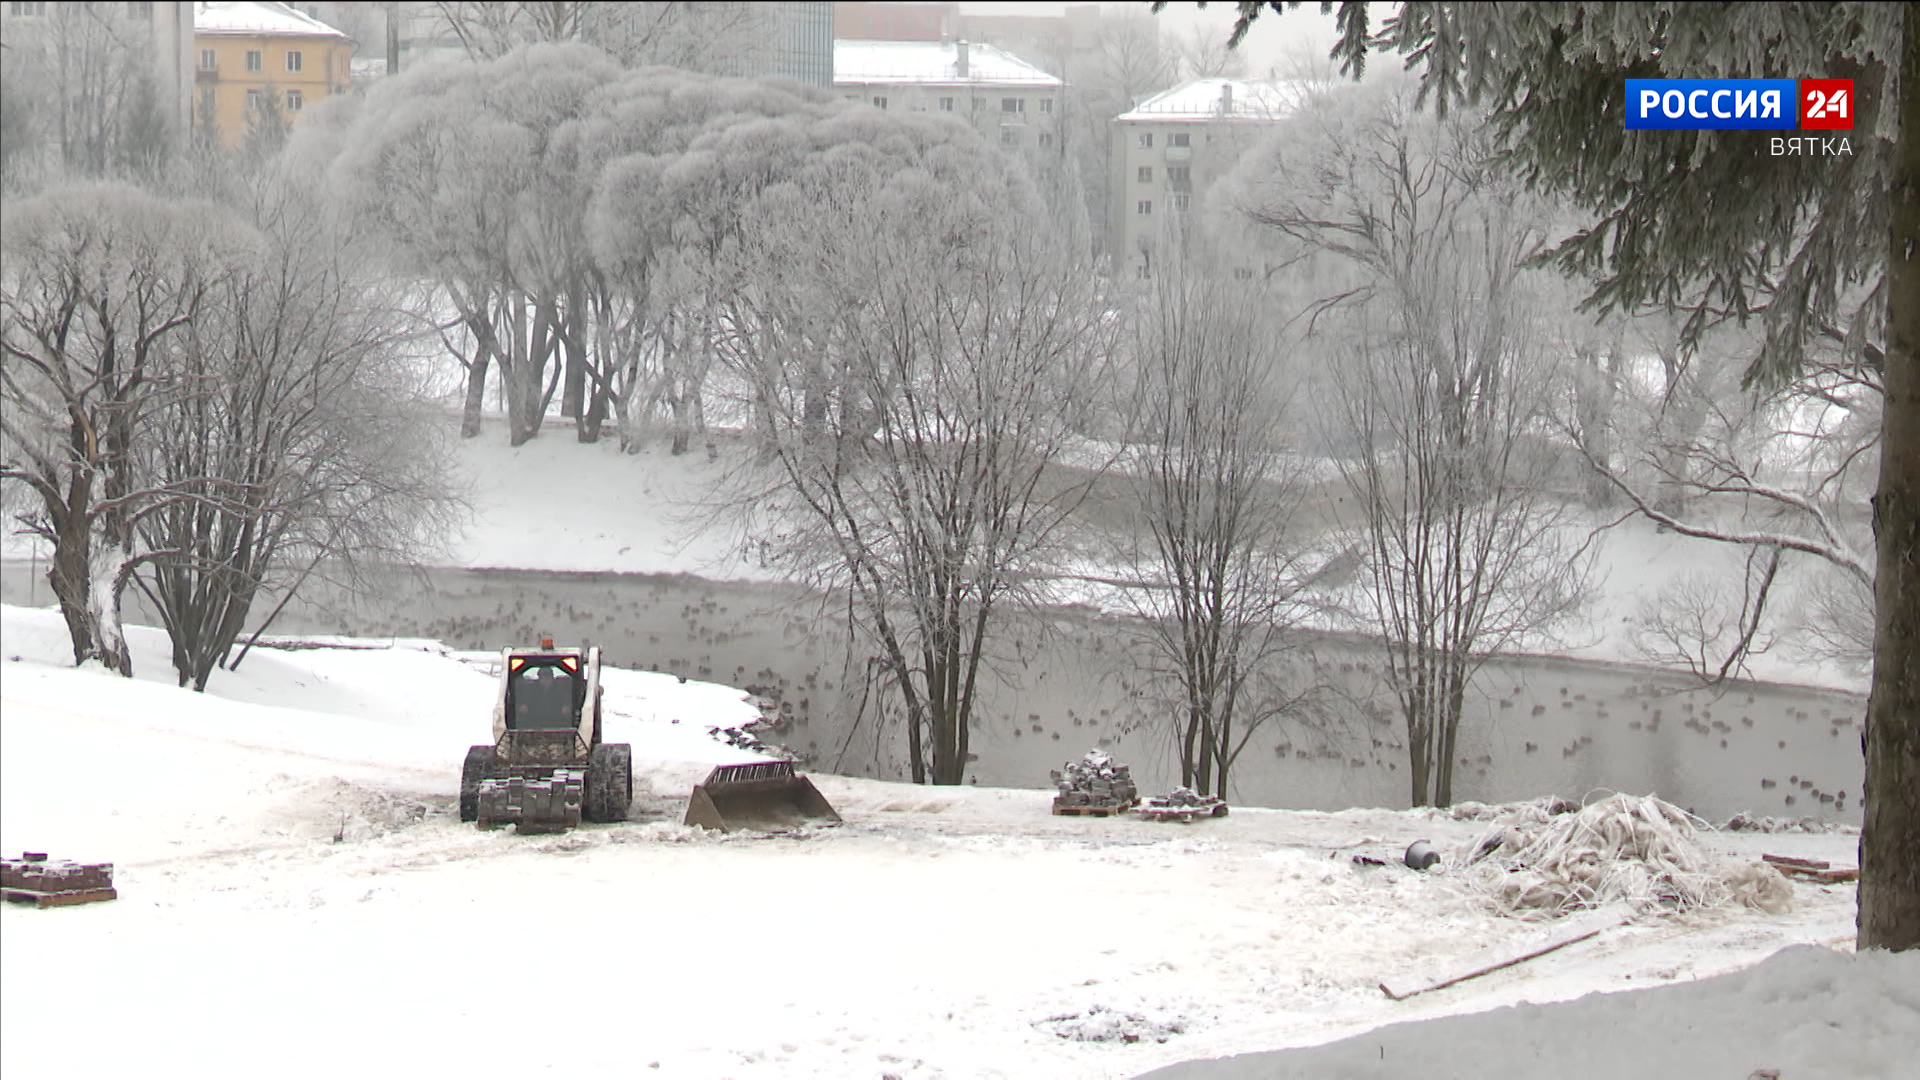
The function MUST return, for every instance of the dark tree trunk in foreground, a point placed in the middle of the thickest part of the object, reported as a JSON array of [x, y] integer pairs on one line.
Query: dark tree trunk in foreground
[[1890, 840]]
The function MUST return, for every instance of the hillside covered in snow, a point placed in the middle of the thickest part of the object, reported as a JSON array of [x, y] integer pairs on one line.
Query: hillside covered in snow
[[297, 895]]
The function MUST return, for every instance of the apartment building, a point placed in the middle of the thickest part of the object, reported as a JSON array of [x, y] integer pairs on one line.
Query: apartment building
[[165, 30], [1170, 149], [1011, 101], [799, 46], [257, 58]]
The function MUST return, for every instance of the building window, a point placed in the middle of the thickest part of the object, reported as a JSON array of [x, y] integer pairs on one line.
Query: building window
[[23, 10], [293, 60], [1007, 137], [1179, 139], [1179, 174], [208, 61], [295, 101], [1146, 174], [253, 101], [1182, 203], [1144, 206], [946, 104], [879, 102], [1146, 140], [206, 102], [1046, 104], [979, 103], [141, 11], [253, 60], [1013, 105], [1241, 273], [1046, 138], [1145, 271]]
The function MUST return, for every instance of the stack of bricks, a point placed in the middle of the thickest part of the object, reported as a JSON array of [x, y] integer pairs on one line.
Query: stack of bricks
[[35, 879], [1094, 780]]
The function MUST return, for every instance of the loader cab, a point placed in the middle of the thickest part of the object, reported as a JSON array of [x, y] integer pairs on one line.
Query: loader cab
[[544, 693]]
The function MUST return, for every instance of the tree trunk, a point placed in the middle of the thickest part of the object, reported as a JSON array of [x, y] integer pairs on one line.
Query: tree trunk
[[1890, 838], [1190, 743], [103, 608], [1596, 389], [573, 343], [68, 574], [515, 372], [596, 415], [476, 395], [682, 428]]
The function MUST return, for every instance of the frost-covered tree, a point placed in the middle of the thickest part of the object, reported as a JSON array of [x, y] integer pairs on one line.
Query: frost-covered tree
[[1780, 470], [1810, 245], [453, 165], [299, 432], [1439, 387], [669, 160], [920, 383], [1215, 496], [99, 287]]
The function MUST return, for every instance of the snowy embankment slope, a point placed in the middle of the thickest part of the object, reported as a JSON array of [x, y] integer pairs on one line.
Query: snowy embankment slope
[[297, 896], [553, 504]]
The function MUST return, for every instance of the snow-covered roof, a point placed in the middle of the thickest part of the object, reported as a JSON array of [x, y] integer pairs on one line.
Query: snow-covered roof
[[277, 20], [1198, 100], [932, 63]]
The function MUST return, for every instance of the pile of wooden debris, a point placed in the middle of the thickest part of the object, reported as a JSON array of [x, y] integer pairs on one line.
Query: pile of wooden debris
[[1182, 804]]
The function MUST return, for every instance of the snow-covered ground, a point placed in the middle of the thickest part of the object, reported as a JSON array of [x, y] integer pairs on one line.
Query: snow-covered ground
[[299, 898]]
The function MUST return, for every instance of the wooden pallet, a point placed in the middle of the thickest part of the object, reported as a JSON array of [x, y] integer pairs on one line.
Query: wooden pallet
[[42, 899], [1103, 810]]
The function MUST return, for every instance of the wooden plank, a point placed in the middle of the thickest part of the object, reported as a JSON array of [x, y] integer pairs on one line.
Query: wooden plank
[[1798, 864], [1399, 989], [1822, 877], [41, 899]]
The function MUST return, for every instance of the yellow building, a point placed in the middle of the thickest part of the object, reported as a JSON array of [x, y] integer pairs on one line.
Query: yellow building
[[255, 59]]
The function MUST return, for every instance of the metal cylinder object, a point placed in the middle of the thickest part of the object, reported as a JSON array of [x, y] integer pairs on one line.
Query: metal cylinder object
[[1420, 855]]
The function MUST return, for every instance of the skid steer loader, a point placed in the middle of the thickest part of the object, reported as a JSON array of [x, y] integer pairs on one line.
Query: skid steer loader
[[757, 795], [547, 768]]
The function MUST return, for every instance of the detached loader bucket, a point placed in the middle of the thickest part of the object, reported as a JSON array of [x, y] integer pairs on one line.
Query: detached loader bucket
[[757, 796]]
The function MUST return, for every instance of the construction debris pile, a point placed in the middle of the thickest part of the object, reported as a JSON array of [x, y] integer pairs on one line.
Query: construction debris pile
[[1182, 804], [1636, 849], [1094, 781], [1764, 824]]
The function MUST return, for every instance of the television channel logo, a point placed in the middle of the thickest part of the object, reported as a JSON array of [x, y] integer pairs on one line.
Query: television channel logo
[[1740, 104]]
